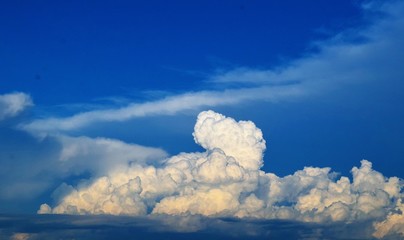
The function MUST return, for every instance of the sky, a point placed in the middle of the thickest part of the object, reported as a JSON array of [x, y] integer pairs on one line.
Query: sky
[[268, 114]]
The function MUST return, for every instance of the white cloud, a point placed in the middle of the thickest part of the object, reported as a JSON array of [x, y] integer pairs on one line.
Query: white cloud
[[241, 140], [338, 63], [102, 155], [58, 157], [226, 181], [12, 104], [166, 106], [393, 224]]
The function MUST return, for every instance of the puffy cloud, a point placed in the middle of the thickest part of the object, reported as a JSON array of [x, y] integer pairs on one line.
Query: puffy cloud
[[242, 140], [226, 180], [393, 224], [316, 196], [213, 178], [12, 104], [210, 202], [101, 197]]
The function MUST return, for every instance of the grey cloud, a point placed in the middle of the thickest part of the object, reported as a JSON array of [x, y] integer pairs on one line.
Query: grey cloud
[[46, 227]]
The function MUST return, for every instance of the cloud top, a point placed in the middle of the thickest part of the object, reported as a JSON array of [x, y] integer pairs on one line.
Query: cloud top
[[241, 140]]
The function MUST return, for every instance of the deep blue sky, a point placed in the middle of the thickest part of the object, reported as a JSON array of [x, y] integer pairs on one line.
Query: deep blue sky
[[76, 51], [78, 56]]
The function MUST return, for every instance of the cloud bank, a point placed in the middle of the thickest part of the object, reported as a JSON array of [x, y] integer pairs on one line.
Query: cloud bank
[[40, 227], [226, 181]]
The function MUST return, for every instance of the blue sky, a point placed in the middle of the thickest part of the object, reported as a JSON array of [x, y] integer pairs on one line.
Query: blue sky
[[96, 50], [87, 88]]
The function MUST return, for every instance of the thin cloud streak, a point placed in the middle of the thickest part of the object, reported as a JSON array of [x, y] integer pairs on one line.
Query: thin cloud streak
[[167, 106], [338, 64], [339, 61]]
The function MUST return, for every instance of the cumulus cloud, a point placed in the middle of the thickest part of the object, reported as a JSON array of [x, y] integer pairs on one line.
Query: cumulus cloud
[[393, 224], [11, 104], [226, 181], [241, 139]]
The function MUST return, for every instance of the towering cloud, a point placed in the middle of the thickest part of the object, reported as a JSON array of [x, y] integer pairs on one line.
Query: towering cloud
[[241, 140], [12, 104], [226, 180]]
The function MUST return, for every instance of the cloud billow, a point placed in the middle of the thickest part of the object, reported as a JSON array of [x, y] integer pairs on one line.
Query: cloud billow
[[226, 181]]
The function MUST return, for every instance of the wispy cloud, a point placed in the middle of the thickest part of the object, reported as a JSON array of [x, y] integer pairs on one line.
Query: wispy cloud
[[12, 104], [167, 106], [58, 157], [338, 63], [103, 155]]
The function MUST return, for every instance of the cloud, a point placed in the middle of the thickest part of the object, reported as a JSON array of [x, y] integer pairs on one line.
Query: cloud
[[167, 106], [242, 139], [226, 181], [393, 224], [42, 227], [12, 104], [21, 236], [338, 63], [102, 155], [58, 158]]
